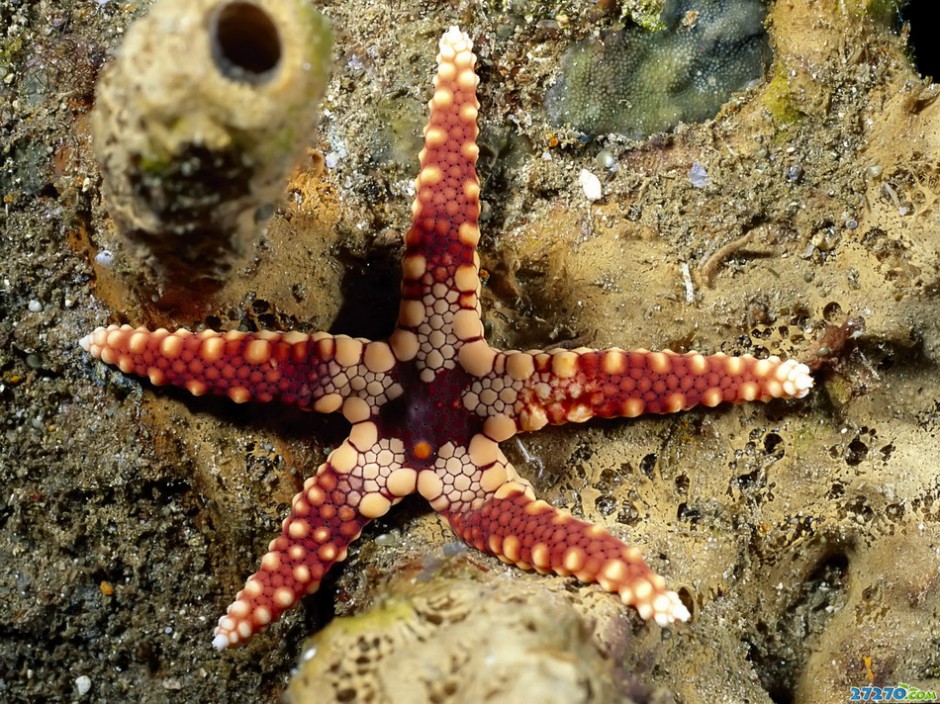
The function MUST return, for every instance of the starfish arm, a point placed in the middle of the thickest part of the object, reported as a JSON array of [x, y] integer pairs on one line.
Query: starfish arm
[[440, 307], [518, 391], [316, 371], [495, 510], [350, 489]]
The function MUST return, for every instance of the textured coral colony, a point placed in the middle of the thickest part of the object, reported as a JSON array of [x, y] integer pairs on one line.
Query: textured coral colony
[[429, 406], [637, 82]]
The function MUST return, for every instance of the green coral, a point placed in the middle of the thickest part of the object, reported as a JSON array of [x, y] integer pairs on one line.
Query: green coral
[[635, 82]]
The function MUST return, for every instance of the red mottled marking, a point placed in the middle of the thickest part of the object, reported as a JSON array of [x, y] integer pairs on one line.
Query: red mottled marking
[[287, 370], [447, 184]]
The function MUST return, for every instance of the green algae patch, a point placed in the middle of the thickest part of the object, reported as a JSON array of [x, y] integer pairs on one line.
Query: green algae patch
[[636, 82], [645, 13], [778, 100], [9, 52]]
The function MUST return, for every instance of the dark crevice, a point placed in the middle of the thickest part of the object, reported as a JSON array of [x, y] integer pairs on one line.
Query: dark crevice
[[371, 292], [781, 650], [920, 15]]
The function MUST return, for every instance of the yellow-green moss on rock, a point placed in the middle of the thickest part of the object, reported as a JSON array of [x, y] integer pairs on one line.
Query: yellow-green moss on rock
[[778, 101]]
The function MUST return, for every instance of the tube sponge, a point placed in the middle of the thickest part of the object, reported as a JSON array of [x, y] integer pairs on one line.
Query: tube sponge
[[205, 111]]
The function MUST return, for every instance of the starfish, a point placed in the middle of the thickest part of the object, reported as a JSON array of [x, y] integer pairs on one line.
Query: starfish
[[429, 406]]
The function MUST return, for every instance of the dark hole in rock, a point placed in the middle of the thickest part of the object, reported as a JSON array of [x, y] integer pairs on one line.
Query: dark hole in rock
[[246, 44], [921, 16], [771, 442]]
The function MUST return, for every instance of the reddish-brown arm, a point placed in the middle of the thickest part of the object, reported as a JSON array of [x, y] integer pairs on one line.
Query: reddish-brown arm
[[360, 480], [520, 391], [318, 371]]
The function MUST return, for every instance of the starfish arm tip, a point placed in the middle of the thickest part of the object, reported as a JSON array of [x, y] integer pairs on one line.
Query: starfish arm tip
[[220, 642], [662, 607], [454, 36], [796, 378], [677, 610]]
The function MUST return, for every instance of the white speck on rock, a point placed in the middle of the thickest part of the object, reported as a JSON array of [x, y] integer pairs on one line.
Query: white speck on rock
[[698, 175], [332, 159], [687, 282], [591, 185], [34, 306], [83, 685]]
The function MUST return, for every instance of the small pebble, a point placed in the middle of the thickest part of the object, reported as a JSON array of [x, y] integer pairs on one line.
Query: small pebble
[[698, 175], [605, 160], [104, 258], [454, 548], [34, 306], [390, 539], [591, 185], [83, 684], [264, 212]]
